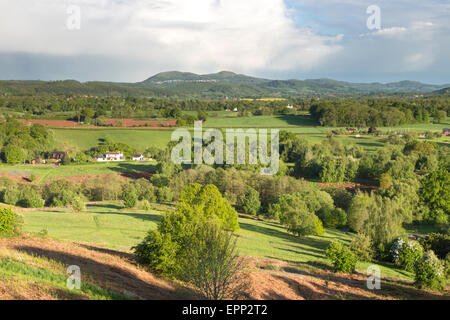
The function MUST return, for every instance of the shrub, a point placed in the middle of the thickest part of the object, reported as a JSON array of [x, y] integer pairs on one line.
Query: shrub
[[10, 222], [447, 266], [406, 253], [333, 218], [146, 206], [130, 198], [342, 258], [11, 196], [429, 272], [251, 203], [33, 178], [159, 252], [210, 262], [78, 204], [164, 194], [361, 246], [30, 198], [438, 242]]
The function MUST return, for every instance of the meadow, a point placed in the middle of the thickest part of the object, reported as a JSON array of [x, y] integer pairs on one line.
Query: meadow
[[44, 173], [109, 225]]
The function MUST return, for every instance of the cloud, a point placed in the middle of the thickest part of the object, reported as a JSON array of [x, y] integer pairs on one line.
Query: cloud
[[196, 35]]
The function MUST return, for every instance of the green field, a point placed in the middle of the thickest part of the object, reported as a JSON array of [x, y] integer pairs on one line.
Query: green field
[[46, 172], [108, 225], [84, 139], [302, 125]]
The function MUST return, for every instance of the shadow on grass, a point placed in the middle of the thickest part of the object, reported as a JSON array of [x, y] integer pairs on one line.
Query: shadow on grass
[[110, 277], [392, 288]]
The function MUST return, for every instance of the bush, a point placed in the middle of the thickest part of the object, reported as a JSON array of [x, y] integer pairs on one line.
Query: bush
[[33, 178], [164, 194], [129, 197], [78, 204], [342, 258], [251, 203], [333, 218], [406, 253], [10, 222], [159, 252], [146, 206], [361, 246], [11, 196], [447, 266], [30, 198], [429, 272], [211, 263], [439, 243]]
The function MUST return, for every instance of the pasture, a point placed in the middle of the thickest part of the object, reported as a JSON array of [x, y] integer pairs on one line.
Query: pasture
[[109, 225], [302, 125]]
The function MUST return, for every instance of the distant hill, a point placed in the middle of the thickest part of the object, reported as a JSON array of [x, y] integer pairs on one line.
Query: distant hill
[[444, 91], [175, 84]]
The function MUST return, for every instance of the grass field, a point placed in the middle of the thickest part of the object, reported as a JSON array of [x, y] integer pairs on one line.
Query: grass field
[[110, 226], [84, 139], [46, 172], [302, 125]]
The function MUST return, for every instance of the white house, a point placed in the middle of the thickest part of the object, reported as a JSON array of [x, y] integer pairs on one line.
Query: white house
[[235, 110], [290, 106], [111, 156], [138, 157]]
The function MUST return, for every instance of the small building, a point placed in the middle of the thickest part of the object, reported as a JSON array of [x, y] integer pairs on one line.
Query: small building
[[350, 130], [37, 160], [138, 157], [111, 156], [57, 155], [372, 130], [235, 110], [357, 136], [446, 132], [290, 106]]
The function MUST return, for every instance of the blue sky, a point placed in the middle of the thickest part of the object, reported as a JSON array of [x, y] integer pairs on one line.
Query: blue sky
[[130, 40]]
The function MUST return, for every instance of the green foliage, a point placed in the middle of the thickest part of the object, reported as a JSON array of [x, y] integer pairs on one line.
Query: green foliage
[[435, 193], [129, 197], [163, 249], [159, 252], [164, 194], [379, 218], [333, 218], [439, 243], [251, 203], [361, 246], [30, 198], [10, 222], [430, 273], [211, 263], [11, 196], [341, 197], [406, 253], [13, 154], [342, 258], [78, 204]]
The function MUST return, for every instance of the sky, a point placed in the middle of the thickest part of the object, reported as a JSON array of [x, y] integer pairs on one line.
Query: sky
[[131, 40]]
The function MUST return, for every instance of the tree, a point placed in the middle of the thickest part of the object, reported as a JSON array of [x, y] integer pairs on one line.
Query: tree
[[10, 222], [251, 203], [78, 204], [13, 154], [435, 190], [129, 197], [80, 157], [211, 263]]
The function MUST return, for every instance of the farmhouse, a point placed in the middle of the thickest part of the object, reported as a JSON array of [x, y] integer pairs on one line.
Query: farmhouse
[[138, 157], [446, 132], [350, 130], [112, 156], [57, 155]]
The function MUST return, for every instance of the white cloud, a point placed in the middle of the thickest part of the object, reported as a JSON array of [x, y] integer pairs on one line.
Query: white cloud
[[195, 35]]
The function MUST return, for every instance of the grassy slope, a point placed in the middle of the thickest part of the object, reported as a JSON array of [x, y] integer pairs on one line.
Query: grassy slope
[[108, 225], [84, 139], [46, 172]]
